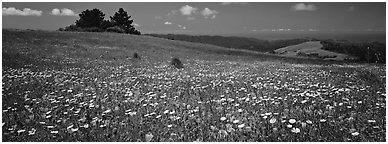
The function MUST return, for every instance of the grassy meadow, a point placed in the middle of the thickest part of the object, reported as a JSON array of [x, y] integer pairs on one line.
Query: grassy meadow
[[71, 86]]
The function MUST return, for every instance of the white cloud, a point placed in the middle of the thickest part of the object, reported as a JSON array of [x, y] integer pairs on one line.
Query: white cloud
[[208, 13], [304, 7], [182, 27], [167, 23], [24, 12], [172, 13], [63, 12], [190, 18], [188, 10], [229, 3], [351, 8]]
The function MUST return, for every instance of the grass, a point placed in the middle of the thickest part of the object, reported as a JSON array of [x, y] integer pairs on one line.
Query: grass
[[60, 86]]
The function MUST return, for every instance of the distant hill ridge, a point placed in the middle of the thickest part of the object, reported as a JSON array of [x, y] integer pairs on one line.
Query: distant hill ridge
[[372, 52], [234, 42]]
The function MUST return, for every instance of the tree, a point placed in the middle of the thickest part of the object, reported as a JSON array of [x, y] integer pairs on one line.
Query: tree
[[105, 24], [122, 19], [90, 18]]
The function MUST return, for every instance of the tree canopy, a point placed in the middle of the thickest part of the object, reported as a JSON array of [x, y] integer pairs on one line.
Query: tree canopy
[[90, 18], [94, 21]]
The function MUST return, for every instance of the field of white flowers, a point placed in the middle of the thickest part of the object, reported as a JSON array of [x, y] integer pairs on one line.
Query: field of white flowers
[[207, 100]]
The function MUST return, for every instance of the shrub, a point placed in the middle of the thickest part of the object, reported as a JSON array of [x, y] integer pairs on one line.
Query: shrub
[[136, 56], [115, 29], [72, 28], [177, 63], [92, 29]]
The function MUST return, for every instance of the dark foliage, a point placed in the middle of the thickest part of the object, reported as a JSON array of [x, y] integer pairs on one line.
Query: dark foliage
[[371, 52], [90, 18], [92, 29], [93, 21], [72, 28], [106, 24], [122, 19], [136, 56], [177, 63], [115, 29]]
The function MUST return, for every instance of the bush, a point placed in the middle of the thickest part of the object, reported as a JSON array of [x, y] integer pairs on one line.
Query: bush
[[92, 29], [136, 56], [177, 63], [72, 28], [115, 29]]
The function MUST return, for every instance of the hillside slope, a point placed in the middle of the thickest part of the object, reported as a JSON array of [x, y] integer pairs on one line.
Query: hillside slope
[[371, 52], [311, 49], [65, 86], [38, 47], [234, 42]]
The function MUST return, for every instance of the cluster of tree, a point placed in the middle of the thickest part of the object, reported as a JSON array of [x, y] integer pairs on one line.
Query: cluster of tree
[[94, 21], [371, 52]]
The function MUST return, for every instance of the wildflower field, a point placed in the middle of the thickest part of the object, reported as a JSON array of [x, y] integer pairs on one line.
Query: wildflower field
[[59, 86]]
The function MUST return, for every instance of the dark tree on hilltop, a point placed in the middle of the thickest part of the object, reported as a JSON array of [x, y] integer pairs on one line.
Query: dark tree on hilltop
[[122, 20], [105, 24], [90, 18]]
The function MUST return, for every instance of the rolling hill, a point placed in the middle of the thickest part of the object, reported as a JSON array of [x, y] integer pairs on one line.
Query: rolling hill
[[311, 49], [90, 87], [363, 52]]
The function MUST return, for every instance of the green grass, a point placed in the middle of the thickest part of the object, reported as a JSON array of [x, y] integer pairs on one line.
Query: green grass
[[62, 86]]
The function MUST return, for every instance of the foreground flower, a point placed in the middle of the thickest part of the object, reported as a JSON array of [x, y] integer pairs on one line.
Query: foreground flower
[[32, 132], [292, 121], [371, 121], [236, 121], [223, 118], [309, 122], [223, 133], [241, 125], [273, 120], [355, 133], [148, 137], [304, 125], [295, 130]]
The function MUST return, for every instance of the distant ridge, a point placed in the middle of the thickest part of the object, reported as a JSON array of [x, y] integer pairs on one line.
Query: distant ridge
[[370, 52], [311, 49]]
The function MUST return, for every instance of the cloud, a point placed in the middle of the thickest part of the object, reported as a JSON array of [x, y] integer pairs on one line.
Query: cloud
[[63, 12], [172, 13], [182, 27], [304, 7], [351, 8], [229, 3], [24, 12], [167, 23], [188, 10], [190, 18], [208, 13]]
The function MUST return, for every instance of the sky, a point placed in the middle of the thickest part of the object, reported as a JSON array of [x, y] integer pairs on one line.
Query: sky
[[207, 17]]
